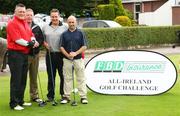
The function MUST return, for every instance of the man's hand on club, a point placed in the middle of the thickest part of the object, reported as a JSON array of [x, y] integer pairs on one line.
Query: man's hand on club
[[71, 55], [36, 44], [46, 45], [31, 43]]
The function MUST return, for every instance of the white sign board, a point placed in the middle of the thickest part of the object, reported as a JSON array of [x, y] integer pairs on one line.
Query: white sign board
[[130, 73]]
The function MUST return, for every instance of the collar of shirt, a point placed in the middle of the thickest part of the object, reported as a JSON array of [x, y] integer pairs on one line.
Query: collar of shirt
[[18, 19]]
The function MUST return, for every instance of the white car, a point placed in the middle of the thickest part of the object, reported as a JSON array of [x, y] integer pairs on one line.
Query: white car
[[100, 24], [3, 24], [43, 19]]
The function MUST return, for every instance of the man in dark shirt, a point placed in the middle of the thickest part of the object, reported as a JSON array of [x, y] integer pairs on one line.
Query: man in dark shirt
[[33, 58], [72, 44]]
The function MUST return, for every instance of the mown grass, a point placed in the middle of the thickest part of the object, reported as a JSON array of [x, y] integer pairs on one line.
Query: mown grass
[[166, 104]]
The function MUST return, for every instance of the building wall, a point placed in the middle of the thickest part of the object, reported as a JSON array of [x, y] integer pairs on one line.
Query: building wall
[[129, 6], [176, 15], [146, 6], [151, 6], [160, 17]]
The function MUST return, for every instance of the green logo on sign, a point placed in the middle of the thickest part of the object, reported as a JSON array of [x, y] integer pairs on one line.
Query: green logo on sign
[[109, 66]]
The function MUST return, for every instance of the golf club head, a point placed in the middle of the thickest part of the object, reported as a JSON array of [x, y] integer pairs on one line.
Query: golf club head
[[42, 103], [75, 90], [54, 103], [74, 103]]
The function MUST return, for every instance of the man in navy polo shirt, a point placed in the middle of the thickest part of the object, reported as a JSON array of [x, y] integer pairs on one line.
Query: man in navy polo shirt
[[72, 44]]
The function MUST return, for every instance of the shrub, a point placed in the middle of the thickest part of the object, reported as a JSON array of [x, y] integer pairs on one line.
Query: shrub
[[3, 32], [123, 20], [129, 14]]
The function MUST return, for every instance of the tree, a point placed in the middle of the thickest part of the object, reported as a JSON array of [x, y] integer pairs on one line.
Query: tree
[[106, 12], [72, 6], [119, 9], [44, 6]]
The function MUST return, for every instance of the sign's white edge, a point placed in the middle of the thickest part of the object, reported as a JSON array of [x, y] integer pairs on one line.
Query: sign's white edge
[[134, 94]]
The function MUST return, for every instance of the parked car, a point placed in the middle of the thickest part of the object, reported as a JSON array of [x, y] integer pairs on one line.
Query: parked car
[[43, 19], [100, 24], [4, 19], [3, 24]]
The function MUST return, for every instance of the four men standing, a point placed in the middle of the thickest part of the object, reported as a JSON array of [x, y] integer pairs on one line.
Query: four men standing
[[23, 53]]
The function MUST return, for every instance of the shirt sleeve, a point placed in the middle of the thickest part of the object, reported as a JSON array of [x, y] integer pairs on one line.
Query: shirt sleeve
[[61, 42], [39, 35], [84, 40], [43, 32]]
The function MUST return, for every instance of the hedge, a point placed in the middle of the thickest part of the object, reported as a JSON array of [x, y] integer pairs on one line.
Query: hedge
[[131, 36]]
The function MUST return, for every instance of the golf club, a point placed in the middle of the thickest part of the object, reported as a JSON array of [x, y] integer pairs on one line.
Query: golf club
[[54, 103], [74, 103], [41, 103]]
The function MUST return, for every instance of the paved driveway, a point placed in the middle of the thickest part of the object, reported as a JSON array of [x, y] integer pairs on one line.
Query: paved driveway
[[91, 53]]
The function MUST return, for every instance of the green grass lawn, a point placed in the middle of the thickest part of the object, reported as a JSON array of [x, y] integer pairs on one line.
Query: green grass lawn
[[166, 104]]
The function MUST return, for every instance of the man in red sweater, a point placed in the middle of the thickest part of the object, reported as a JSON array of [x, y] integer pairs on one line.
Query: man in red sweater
[[19, 41]]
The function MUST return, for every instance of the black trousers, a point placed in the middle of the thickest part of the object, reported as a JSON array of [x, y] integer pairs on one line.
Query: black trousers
[[18, 64], [54, 59]]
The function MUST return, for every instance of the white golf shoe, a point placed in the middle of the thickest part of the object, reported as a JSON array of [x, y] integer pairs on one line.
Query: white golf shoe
[[84, 101], [18, 107], [27, 104]]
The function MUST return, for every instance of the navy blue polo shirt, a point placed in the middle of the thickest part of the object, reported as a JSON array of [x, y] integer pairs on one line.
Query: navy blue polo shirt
[[73, 41]]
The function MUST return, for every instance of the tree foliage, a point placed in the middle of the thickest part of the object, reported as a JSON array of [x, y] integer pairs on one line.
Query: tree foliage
[[106, 12], [44, 6], [118, 7]]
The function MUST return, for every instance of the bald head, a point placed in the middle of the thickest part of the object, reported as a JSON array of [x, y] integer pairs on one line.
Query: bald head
[[72, 23], [72, 18]]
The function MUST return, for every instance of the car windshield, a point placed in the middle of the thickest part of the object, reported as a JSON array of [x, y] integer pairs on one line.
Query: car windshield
[[113, 24]]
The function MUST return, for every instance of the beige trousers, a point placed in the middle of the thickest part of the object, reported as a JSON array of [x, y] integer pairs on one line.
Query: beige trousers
[[79, 76], [33, 63]]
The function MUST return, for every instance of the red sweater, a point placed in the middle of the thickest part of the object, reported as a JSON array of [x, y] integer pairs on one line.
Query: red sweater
[[18, 29]]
